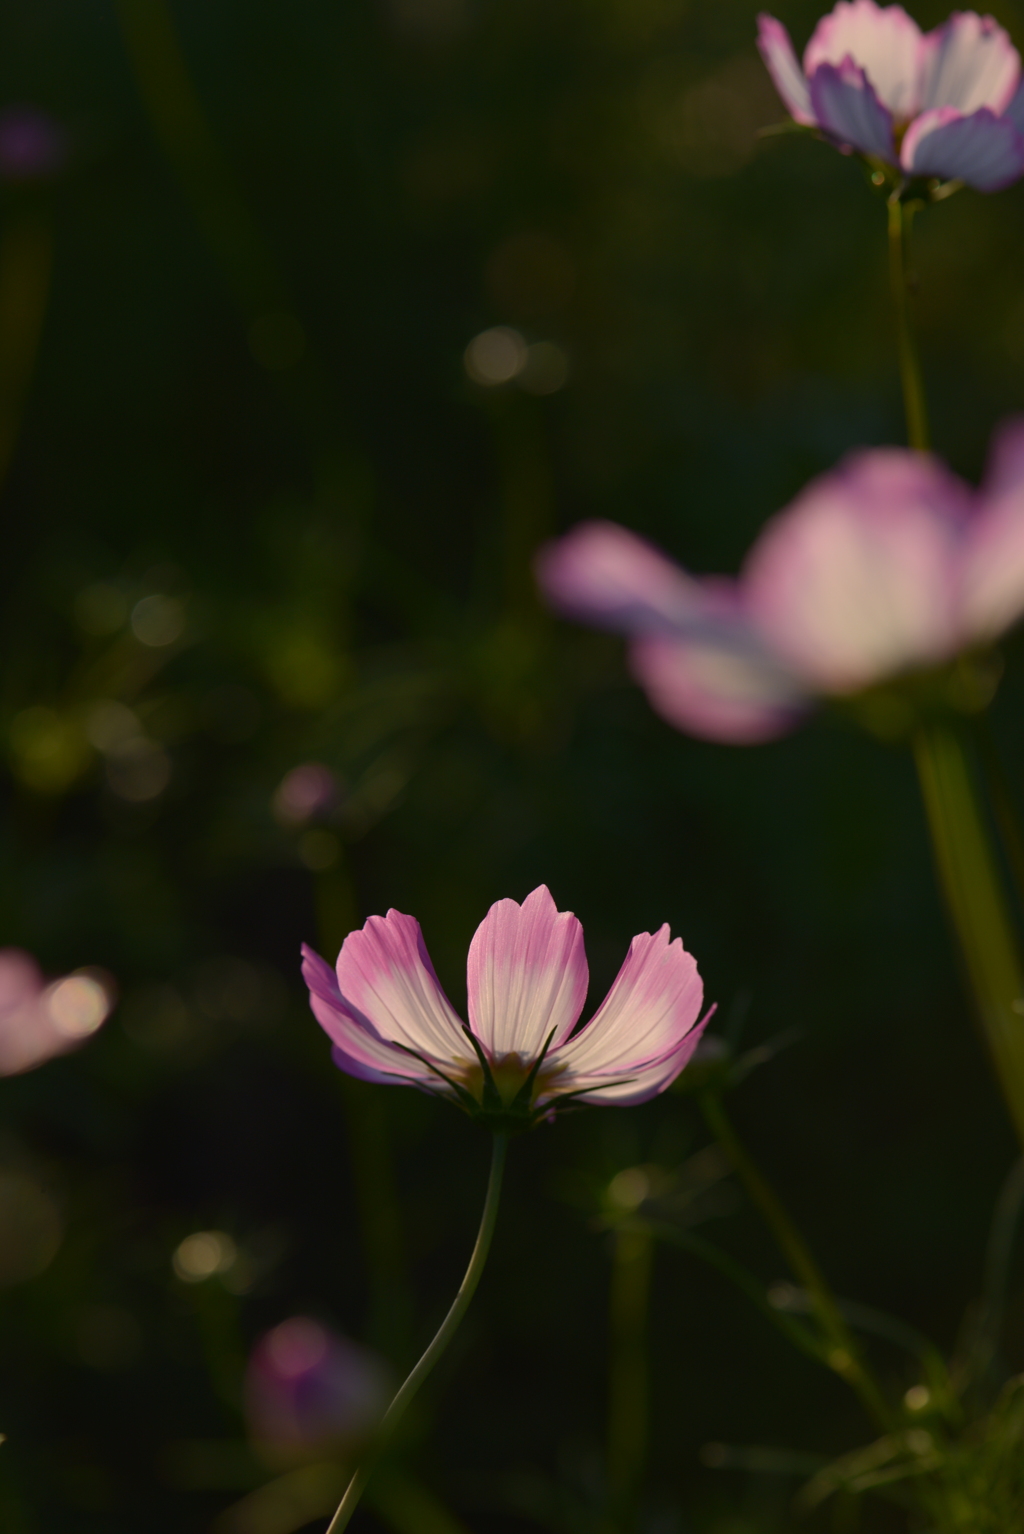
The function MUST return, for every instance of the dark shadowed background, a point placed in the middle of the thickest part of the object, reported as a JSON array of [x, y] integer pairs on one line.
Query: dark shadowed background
[[257, 513]]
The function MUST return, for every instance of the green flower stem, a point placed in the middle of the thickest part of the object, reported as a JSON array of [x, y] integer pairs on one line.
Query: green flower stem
[[975, 898], [843, 1353], [628, 1383], [449, 1326], [901, 216]]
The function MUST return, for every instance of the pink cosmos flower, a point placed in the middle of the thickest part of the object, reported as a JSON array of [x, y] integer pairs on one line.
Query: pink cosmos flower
[[945, 103], [519, 1058], [308, 1388], [887, 564], [38, 1021]]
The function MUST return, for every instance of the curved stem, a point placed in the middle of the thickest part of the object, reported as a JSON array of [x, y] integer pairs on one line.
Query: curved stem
[[628, 1382], [901, 216], [843, 1354], [445, 1333], [976, 900]]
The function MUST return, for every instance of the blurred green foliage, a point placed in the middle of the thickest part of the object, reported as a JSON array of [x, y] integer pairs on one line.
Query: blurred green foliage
[[257, 514]]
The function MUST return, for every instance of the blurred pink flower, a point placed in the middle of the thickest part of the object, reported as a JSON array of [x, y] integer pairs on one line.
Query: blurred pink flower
[[944, 103], [308, 791], [307, 1388], [32, 145], [390, 1020], [38, 1020], [887, 564]]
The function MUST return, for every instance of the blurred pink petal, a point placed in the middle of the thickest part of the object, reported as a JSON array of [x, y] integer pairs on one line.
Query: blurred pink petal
[[527, 974], [969, 62], [776, 49], [307, 1388], [855, 580], [883, 41], [992, 596], [718, 691], [984, 150], [956, 92], [644, 1031], [388, 982], [357, 1048], [605, 575], [39, 1021], [847, 108], [1004, 470], [32, 144], [308, 791]]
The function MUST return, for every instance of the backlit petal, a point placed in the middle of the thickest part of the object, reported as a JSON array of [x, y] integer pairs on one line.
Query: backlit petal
[[387, 982], [848, 109], [969, 62], [857, 579], [719, 689], [527, 975], [775, 48], [1004, 470], [652, 1007], [357, 1049], [993, 560], [603, 574], [984, 150], [641, 1084], [882, 40]]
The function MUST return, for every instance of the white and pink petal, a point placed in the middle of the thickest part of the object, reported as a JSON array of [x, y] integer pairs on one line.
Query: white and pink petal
[[883, 41], [387, 982], [985, 151], [603, 574], [776, 49], [527, 975], [992, 579], [722, 688], [849, 111], [857, 578], [969, 62], [652, 1006], [642, 1083], [357, 1049]]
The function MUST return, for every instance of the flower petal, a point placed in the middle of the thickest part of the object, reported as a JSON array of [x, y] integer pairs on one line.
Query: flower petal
[[856, 579], [775, 48], [527, 975], [642, 1084], [357, 1049], [847, 108], [717, 689], [969, 62], [984, 150], [1004, 470], [883, 41], [388, 984], [641, 1025], [602, 574], [993, 562]]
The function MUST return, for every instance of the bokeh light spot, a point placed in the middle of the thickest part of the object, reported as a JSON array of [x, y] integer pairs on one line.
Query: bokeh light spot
[[30, 1228], [78, 1006], [495, 356], [158, 620], [204, 1254]]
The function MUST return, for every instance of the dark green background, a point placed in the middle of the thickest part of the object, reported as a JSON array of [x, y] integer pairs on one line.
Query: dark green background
[[351, 536]]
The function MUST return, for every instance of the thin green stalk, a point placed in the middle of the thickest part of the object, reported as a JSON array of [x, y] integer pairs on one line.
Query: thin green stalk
[[628, 1383], [843, 1354], [449, 1326], [975, 898], [901, 216]]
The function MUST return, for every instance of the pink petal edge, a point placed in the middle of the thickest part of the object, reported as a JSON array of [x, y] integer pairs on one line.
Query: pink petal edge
[[527, 975]]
